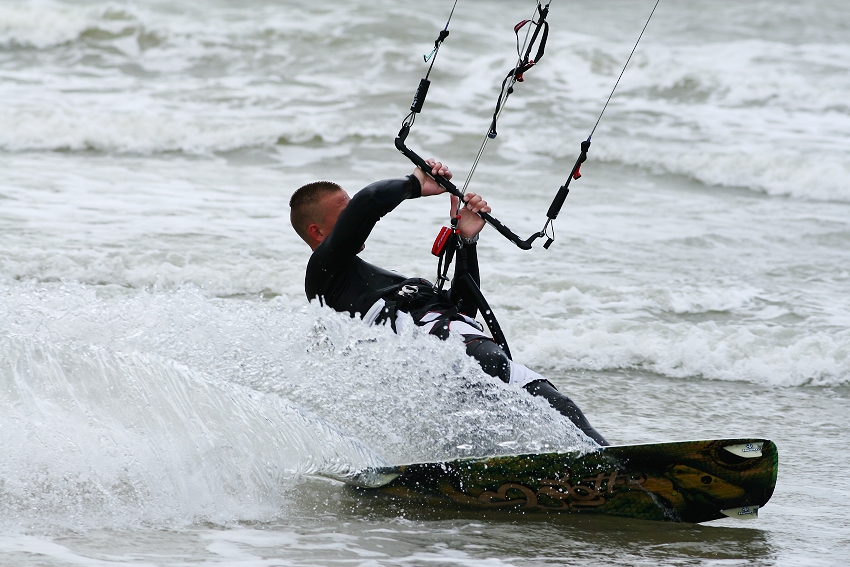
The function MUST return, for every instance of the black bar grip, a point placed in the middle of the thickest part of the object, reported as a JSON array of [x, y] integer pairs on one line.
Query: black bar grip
[[419, 97], [559, 199]]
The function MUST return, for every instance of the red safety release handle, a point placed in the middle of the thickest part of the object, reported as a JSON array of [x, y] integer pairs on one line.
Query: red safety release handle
[[441, 240]]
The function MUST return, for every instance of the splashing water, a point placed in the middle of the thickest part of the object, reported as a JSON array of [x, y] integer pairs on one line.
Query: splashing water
[[177, 406]]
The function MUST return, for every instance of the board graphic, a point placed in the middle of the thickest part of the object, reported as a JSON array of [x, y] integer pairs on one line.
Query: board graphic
[[689, 481]]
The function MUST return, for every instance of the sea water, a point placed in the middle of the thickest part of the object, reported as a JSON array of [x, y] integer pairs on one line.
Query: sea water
[[168, 395]]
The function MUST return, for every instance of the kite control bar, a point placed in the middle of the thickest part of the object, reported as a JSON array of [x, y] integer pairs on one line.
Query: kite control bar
[[451, 188]]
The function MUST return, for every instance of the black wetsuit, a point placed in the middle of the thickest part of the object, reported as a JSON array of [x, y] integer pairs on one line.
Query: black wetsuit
[[340, 279]]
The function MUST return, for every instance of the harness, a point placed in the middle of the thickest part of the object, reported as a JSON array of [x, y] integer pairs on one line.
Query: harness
[[418, 297]]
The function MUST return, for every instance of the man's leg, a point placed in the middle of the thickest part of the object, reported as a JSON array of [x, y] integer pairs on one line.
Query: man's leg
[[566, 406], [495, 362]]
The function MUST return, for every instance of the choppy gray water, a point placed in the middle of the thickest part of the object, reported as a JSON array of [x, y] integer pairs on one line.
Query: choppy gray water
[[168, 394]]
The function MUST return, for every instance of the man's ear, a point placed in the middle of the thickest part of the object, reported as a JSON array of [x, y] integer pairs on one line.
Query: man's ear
[[316, 233]]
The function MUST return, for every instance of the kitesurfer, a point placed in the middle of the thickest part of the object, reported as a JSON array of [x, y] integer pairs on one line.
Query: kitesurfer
[[336, 228]]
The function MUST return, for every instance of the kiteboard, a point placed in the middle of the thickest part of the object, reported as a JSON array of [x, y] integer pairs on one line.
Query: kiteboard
[[688, 481]]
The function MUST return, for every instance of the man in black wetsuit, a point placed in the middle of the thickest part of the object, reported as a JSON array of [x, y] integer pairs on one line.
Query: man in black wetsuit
[[336, 228]]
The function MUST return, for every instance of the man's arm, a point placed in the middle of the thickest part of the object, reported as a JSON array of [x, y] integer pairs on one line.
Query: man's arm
[[461, 295], [370, 204], [334, 255], [429, 185], [363, 212], [469, 225]]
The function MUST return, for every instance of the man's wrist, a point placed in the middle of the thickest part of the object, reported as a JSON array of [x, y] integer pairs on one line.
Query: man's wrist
[[468, 241], [416, 186]]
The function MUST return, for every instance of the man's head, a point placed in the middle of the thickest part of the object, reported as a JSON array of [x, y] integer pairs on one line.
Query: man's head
[[314, 209]]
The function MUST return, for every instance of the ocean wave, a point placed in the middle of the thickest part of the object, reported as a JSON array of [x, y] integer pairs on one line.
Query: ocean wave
[[44, 25], [763, 114], [762, 354], [776, 172], [716, 333], [152, 126], [30, 25], [142, 132], [752, 114]]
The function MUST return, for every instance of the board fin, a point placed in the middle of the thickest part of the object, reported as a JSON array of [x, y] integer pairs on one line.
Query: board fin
[[745, 450], [375, 477], [742, 513]]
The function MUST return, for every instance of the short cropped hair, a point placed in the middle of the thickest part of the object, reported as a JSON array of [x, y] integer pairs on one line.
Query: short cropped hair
[[303, 205]]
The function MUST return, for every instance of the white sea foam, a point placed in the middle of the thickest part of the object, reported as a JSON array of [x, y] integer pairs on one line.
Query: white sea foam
[[174, 101]]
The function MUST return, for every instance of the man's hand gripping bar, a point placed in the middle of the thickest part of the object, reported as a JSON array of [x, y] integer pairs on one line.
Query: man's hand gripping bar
[[451, 188]]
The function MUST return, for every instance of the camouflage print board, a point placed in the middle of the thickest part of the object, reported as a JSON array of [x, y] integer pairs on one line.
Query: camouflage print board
[[690, 481]]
